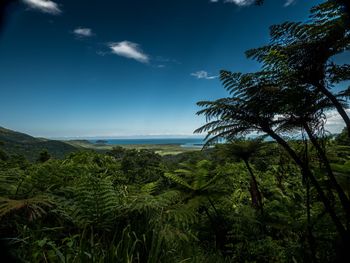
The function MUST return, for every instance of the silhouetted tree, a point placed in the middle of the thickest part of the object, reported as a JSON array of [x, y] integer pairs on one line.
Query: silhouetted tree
[[302, 53], [249, 110], [342, 3]]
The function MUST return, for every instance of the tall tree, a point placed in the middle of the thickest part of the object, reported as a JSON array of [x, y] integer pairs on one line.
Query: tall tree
[[250, 110], [304, 52], [245, 150]]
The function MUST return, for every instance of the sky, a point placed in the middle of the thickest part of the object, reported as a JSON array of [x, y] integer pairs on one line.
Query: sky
[[117, 68]]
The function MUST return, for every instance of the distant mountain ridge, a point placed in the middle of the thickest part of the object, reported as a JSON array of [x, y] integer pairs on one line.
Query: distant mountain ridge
[[30, 147]]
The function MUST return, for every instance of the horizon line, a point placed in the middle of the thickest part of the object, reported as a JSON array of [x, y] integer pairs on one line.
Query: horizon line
[[116, 137]]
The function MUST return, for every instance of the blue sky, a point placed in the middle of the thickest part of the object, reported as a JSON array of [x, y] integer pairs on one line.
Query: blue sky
[[125, 67]]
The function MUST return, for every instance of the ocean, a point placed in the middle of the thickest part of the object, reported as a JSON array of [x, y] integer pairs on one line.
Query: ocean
[[184, 142]]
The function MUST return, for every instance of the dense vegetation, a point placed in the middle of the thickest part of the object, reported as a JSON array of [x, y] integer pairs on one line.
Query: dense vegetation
[[30, 147], [245, 202], [272, 199]]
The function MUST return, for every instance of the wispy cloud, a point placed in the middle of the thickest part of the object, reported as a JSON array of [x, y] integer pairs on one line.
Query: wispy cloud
[[202, 75], [240, 2], [289, 2], [83, 32], [164, 60], [249, 2], [102, 53], [45, 6], [129, 50]]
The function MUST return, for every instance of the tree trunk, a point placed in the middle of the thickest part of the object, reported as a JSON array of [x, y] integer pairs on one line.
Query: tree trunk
[[322, 155], [308, 174], [254, 188], [311, 238], [220, 229], [309, 234]]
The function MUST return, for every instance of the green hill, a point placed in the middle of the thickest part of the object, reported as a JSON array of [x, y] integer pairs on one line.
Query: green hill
[[30, 147]]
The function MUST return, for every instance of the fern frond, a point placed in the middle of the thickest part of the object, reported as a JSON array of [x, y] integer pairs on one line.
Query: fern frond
[[34, 207], [94, 203], [150, 188], [177, 179]]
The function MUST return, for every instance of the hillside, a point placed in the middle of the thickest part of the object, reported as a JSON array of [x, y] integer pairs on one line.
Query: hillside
[[30, 147]]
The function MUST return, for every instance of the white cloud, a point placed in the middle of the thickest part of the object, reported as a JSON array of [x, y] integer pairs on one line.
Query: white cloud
[[240, 2], [129, 50], [289, 2], [45, 6], [83, 32], [202, 75], [335, 123], [249, 2]]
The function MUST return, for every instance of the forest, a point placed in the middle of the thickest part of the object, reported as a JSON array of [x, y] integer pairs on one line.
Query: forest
[[282, 196]]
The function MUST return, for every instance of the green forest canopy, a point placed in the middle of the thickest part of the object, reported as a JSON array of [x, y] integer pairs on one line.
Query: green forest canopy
[[242, 201]]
